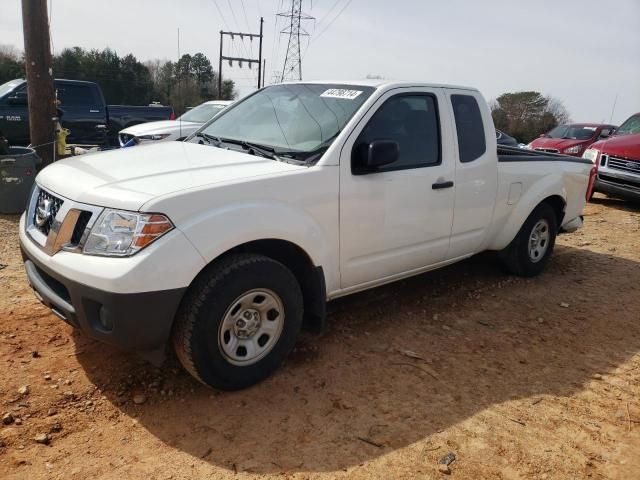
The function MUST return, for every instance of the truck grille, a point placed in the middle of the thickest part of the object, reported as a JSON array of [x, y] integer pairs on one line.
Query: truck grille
[[631, 166], [548, 150], [46, 209], [56, 223], [80, 227]]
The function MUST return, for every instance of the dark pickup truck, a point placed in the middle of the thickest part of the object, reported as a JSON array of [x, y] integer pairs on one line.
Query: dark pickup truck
[[84, 112]]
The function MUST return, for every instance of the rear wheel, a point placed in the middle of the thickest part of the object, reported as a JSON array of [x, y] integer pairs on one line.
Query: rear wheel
[[529, 252], [239, 321]]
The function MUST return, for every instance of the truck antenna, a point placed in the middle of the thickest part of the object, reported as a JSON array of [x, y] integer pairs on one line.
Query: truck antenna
[[613, 108]]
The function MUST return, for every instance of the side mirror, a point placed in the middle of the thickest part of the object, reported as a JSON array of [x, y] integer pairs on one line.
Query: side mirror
[[605, 134], [368, 157]]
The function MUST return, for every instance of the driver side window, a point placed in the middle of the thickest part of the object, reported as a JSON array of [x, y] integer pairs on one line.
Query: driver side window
[[410, 120]]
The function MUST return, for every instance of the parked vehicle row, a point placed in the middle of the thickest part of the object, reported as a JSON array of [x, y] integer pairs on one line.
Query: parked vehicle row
[[226, 244], [572, 139], [82, 109], [617, 161], [177, 129]]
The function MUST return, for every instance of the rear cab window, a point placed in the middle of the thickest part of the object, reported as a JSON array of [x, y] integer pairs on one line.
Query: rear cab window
[[73, 95], [469, 126]]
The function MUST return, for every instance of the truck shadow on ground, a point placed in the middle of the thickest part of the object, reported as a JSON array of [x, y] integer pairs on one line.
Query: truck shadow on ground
[[617, 203], [358, 392]]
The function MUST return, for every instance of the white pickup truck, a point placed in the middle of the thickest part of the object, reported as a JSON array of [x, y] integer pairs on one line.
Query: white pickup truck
[[226, 244]]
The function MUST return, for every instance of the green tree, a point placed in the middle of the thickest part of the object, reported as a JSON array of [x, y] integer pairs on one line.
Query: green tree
[[125, 80], [183, 67], [201, 69], [525, 115], [11, 64]]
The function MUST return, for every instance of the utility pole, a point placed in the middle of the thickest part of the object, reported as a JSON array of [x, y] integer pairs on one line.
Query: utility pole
[[240, 60], [38, 65], [292, 69]]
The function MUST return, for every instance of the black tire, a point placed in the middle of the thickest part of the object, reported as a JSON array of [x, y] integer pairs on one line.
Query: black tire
[[517, 258], [199, 320]]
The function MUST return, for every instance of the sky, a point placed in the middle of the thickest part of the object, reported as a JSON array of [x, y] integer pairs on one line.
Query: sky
[[584, 52]]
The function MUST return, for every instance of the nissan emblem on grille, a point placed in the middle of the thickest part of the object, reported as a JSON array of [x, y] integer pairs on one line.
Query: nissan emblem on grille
[[43, 211]]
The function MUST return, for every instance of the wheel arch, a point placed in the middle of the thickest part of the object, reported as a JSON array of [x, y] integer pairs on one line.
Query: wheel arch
[[550, 191], [310, 277], [558, 204]]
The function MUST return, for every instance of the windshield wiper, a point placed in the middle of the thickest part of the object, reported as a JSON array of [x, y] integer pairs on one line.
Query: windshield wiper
[[209, 138], [262, 150]]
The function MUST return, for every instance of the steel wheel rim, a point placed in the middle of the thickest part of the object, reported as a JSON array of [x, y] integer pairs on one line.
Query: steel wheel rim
[[251, 327], [539, 240]]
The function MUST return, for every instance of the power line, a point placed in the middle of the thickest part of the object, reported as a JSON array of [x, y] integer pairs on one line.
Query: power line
[[327, 14], [275, 49], [244, 12], [233, 14], [235, 48], [334, 19], [325, 28], [247, 52], [240, 60], [221, 15]]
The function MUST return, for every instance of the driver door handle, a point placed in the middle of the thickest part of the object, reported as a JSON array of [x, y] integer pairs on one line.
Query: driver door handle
[[441, 185]]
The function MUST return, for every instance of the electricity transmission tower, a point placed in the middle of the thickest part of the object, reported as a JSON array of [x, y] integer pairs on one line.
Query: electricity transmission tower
[[292, 69]]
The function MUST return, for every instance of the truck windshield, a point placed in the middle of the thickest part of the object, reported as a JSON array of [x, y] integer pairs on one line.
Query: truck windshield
[[297, 120], [7, 87], [201, 114], [574, 132], [630, 126]]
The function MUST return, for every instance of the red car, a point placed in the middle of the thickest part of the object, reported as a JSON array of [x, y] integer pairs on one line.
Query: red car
[[617, 161], [572, 139]]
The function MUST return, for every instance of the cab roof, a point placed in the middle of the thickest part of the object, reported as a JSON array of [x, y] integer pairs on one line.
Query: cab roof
[[381, 83]]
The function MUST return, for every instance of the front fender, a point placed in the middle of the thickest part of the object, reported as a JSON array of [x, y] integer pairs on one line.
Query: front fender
[[508, 228], [219, 230]]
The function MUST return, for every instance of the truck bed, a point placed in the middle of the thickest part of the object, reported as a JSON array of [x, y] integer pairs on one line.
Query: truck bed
[[516, 154]]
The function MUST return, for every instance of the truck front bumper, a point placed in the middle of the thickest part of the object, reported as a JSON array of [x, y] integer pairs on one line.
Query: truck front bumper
[[135, 321], [614, 184], [101, 303]]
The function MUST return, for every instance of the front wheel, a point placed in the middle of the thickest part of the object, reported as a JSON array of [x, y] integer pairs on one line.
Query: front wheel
[[529, 252], [239, 321]]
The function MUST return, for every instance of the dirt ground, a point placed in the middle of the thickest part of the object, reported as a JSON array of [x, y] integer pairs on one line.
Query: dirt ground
[[518, 378]]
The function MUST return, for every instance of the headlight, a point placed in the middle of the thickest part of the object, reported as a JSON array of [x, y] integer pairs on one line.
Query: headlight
[[574, 149], [591, 154], [119, 233], [156, 136]]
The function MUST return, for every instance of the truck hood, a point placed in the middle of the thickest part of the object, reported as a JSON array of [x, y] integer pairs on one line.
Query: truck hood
[[127, 178], [624, 146], [164, 126]]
